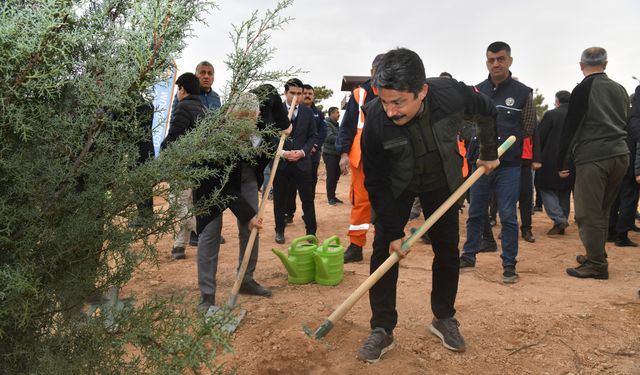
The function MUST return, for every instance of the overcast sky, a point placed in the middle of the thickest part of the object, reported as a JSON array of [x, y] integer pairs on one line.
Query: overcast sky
[[332, 38]]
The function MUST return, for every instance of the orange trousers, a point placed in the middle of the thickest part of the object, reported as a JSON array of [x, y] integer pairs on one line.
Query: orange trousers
[[361, 210]]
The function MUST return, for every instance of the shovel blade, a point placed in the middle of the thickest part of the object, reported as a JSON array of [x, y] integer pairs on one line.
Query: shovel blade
[[232, 322]]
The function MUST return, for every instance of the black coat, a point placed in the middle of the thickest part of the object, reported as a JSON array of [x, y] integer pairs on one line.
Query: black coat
[[184, 118], [546, 149]]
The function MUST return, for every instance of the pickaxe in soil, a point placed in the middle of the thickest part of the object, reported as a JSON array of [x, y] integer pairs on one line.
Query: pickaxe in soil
[[394, 258]]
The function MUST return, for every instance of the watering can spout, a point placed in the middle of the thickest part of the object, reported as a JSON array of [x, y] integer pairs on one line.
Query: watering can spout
[[283, 258]]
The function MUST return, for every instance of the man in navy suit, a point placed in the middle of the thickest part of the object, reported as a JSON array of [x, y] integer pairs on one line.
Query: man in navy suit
[[296, 166]]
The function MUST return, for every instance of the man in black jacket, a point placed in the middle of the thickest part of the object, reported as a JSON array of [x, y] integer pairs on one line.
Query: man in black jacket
[[409, 149], [556, 191], [183, 119]]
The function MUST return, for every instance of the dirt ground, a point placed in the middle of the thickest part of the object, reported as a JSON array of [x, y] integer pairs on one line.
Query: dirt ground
[[547, 323]]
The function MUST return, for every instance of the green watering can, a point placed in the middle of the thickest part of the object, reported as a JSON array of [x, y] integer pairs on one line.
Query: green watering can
[[329, 260], [299, 262]]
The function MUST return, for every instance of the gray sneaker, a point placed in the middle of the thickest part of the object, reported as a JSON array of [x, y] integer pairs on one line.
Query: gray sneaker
[[447, 330], [378, 343]]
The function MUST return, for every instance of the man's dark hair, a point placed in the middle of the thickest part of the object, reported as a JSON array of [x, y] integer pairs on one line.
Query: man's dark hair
[[563, 96], [204, 63], [496, 47], [446, 74], [307, 87], [400, 69], [333, 109], [190, 82], [293, 82]]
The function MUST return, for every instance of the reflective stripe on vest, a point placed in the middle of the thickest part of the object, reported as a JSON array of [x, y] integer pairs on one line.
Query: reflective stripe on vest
[[463, 152], [527, 148], [359, 95]]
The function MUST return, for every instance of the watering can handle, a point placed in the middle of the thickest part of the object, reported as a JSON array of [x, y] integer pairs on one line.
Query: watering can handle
[[328, 242], [309, 237]]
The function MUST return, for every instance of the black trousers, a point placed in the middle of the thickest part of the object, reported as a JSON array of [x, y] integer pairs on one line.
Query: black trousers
[[445, 269], [525, 201], [623, 211], [292, 190], [302, 181], [332, 164]]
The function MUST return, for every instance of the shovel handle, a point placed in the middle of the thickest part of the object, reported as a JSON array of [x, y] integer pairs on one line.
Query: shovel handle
[[406, 245], [254, 232]]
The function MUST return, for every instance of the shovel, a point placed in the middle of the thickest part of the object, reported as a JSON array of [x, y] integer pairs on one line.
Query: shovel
[[394, 258], [233, 323]]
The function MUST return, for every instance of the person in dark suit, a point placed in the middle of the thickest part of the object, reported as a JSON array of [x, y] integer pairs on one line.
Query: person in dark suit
[[556, 191], [296, 166]]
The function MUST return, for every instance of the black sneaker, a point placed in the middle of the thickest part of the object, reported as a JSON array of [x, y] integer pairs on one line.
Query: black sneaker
[[338, 201], [206, 302], [467, 263], [378, 343], [253, 288], [509, 275], [353, 254], [488, 246], [193, 239], [178, 253], [332, 202], [588, 271], [279, 238], [447, 330]]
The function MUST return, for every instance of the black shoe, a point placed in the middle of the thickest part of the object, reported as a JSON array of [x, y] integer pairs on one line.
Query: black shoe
[[537, 208], [288, 219], [557, 229], [447, 331], [528, 236], [378, 343], [222, 240], [587, 270], [279, 238], [254, 289], [332, 202], [178, 253], [467, 263], [353, 254], [582, 259], [206, 302], [509, 275], [338, 201], [425, 237], [488, 246], [193, 239], [624, 241]]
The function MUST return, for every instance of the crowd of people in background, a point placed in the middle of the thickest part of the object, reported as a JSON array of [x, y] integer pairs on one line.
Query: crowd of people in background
[[406, 142]]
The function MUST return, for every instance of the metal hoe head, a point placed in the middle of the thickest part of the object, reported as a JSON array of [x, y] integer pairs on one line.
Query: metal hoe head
[[229, 322]]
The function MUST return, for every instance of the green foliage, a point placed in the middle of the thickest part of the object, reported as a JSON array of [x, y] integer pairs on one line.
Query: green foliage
[[538, 99], [321, 93], [74, 76]]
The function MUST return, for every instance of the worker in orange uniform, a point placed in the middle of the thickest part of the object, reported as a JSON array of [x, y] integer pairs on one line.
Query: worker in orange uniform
[[348, 146]]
